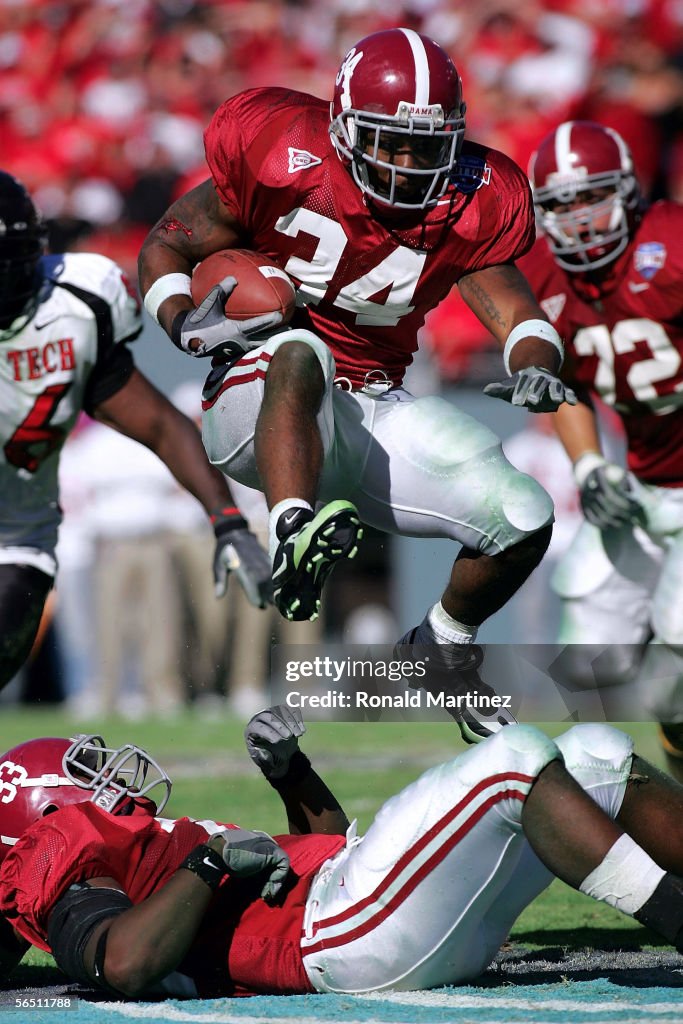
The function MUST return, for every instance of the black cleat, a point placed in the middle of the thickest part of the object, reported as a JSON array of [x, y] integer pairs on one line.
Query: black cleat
[[307, 553], [454, 672]]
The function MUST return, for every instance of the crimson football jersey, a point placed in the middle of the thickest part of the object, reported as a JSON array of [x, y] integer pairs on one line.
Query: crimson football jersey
[[364, 284], [244, 946], [626, 346]]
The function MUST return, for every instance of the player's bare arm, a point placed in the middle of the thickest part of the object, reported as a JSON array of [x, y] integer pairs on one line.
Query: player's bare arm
[[139, 411], [311, 807], [195, 225], [501, 298], [577, 429], [272, 740], [133, 950], [532, 349]]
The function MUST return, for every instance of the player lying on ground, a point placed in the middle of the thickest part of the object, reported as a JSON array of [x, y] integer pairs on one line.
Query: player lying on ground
[[131, 902], [65, 324], [376, 206]]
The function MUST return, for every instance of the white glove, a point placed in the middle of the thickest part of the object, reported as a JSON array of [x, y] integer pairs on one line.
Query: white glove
[[537, 389], [605, 491], [272, 738], [253, 853], [238, 550], [217, 335]]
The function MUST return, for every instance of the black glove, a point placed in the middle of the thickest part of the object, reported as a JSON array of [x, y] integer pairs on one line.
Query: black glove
[[535, 388], [218, 335], [605, 491], [272, 738], [238, 551], [253, 853]]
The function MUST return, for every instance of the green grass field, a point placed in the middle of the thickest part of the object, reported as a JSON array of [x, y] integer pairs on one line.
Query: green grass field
[[364, 763]]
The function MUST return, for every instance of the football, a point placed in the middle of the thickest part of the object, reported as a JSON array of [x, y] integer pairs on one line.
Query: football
[[262, 286]]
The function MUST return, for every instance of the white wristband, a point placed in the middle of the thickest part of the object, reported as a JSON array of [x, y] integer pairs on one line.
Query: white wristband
[[163, 288], [532, 329], [585, 464]]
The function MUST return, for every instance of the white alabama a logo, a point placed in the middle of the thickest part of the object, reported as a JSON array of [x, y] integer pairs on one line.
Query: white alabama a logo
[[344, 76]]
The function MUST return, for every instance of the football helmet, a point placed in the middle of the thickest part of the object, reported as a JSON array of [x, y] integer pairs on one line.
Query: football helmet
[[23, 238], [398, 117], [585, 194], [44, 775]]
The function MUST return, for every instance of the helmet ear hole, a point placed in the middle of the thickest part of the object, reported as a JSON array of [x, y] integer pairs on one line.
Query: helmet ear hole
[[50, 809]]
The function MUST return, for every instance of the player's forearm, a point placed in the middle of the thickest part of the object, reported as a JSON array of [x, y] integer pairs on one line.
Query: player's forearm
[[577, 429], [181, 449], [149, 941], [311, 807], [502, 300], [195, 225]]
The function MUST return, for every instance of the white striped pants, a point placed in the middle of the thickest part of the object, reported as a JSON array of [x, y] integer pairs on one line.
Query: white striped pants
[[427, 897]]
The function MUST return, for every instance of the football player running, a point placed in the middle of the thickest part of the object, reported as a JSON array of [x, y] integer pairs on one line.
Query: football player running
[[376, 205], [65, 320], [608, 273], [136, 904]]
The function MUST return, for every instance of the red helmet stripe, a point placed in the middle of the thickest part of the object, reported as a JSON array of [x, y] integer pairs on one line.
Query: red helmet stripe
[[422, 78]]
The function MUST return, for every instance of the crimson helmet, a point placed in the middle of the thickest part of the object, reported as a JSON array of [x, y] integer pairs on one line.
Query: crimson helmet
[[44, 775], [22, 240], [584, 163], [398, 90]]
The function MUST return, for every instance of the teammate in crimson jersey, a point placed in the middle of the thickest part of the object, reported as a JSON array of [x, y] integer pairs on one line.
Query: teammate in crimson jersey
[[613, 290], [136, 903], [65, 321], [376, 206]]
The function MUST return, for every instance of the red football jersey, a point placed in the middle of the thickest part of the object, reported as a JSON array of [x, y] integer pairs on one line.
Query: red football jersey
[[627, 345], [243, 947], [365, 285]]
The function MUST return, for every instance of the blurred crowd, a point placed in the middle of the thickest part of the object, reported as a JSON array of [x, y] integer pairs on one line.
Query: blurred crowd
[[103, 102]]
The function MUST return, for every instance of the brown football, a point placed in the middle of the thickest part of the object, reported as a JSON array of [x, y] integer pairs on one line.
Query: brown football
[[262, 286]]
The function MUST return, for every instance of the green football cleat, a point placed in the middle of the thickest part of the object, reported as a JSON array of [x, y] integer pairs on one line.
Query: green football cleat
[[309, 548]]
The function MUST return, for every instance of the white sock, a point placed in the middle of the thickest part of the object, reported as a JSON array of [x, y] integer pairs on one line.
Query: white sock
[[625, 878], [438, 627], [275, 513]]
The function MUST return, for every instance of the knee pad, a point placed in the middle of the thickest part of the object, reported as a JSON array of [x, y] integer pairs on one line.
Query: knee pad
[[599, 758], [521, 748]]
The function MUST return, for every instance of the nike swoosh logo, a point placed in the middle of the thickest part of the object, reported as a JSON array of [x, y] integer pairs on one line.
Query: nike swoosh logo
[[636, 287], [288, 520], [46, 323], [210, 864]]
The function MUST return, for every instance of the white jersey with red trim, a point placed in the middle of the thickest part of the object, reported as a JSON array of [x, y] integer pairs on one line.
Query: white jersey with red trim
[[68, 357]]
